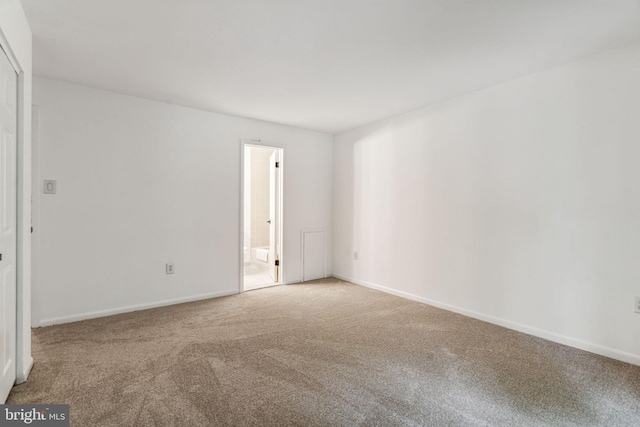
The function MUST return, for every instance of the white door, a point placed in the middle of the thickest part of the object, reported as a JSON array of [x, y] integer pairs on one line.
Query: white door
[[8, 206], [274, 215]]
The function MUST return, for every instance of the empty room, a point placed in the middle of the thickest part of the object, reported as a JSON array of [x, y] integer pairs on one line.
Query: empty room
[[320, 213]]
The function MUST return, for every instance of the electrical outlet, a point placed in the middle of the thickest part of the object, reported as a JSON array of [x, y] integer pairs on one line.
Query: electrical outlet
[[355, 255], [637, 305], [169, 268], [49, 186]]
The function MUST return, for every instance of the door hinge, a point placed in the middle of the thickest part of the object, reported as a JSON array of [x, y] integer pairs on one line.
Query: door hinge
[[277, 164], [277, 262]]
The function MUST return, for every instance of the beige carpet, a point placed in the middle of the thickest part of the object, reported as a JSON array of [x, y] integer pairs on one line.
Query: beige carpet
[[321, 354]]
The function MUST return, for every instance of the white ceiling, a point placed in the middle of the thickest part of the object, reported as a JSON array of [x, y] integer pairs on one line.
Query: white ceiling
[[328, 65]]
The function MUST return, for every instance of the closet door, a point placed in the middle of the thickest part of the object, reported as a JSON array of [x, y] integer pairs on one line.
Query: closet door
[[8, 225]]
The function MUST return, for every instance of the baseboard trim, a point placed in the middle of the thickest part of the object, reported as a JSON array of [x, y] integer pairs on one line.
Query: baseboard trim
[[612, 353], [23, 375], [137, 307]]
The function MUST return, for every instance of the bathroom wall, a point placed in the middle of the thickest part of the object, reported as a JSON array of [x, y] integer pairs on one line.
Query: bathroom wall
[[246, 215], [260, 196]]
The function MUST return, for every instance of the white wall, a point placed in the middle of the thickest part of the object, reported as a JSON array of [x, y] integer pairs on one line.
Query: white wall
[[142, 183], [15, 39], [518, 204]]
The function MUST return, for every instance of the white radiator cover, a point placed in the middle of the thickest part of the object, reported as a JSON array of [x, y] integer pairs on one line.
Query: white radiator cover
[[313, 244]]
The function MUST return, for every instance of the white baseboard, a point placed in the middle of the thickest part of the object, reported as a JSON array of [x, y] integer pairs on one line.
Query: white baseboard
[[541, 333], [128, 309], [21, 376]]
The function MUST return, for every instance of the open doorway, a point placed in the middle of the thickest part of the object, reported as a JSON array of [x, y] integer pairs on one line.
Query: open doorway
[[262, 216]]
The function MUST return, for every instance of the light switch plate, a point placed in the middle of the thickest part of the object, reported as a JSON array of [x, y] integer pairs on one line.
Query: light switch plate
[[49, 186]]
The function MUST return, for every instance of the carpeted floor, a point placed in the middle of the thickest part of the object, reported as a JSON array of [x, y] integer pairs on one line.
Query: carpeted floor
[[328, 353]]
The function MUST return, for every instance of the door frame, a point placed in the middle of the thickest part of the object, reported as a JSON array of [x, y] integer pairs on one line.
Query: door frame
[[22, 65], [281, 218]]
